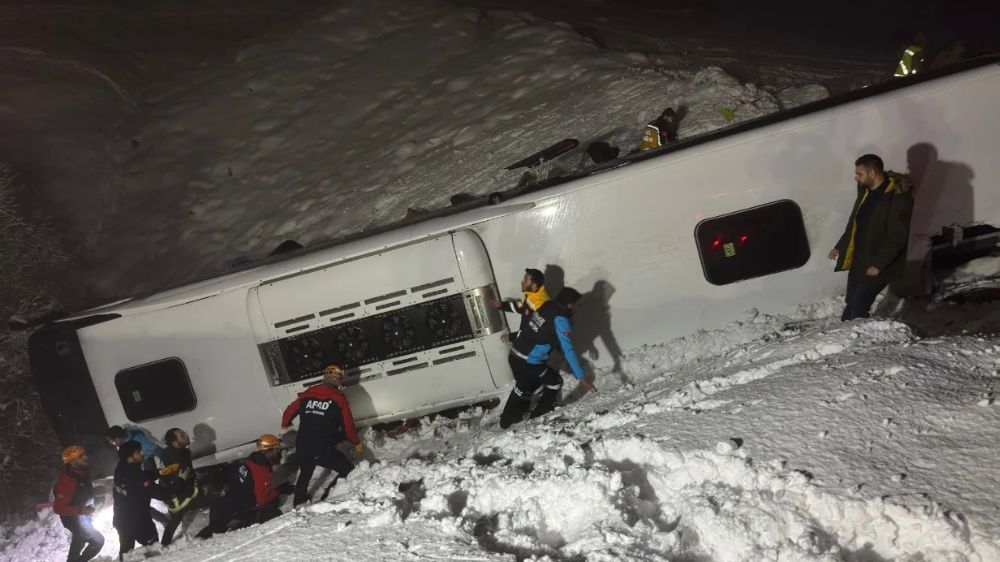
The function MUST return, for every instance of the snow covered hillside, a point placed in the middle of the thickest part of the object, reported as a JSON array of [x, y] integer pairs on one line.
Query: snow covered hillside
[[370, 108], [777, 439]]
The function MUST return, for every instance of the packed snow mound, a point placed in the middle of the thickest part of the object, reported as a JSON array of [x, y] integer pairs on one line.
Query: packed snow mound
[[372, 108]]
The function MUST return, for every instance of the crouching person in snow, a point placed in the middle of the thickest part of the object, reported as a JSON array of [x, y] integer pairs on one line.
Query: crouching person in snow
[[547, 327], [249, 497], [325, 421], [74, 504], [178, 477], [134, 488]]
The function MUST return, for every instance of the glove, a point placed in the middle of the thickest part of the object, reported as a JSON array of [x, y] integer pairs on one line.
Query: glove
[[360, 448]]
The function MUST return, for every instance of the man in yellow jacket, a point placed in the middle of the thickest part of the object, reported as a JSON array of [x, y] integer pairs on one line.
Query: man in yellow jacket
[[873, 246], [533, 288]]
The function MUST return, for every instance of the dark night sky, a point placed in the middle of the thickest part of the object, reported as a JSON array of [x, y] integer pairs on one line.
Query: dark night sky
[[843, 24]]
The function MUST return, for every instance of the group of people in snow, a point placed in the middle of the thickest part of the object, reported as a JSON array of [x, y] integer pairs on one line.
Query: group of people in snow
[[326, 437], [872, 250], [246, 493]]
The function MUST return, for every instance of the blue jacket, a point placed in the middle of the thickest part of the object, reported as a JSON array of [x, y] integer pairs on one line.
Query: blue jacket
[[149, 449], [547, 327]]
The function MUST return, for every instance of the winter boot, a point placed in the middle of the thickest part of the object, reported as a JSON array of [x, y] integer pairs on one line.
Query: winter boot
[[513, 412]]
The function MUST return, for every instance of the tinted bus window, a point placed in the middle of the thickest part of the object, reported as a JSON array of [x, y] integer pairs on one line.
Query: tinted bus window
[[155, 390], [752, 242]]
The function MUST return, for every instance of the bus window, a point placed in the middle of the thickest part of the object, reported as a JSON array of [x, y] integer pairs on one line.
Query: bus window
[[752, 242], [155, 390]]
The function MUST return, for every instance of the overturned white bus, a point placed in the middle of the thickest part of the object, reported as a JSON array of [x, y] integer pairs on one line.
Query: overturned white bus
[[688, 237]]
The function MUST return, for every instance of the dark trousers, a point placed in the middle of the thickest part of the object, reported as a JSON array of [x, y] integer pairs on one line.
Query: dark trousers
[[174, 520], [860, 296], [225, 511], [135, 530], [530, 380], [86, 542], [308, 461]]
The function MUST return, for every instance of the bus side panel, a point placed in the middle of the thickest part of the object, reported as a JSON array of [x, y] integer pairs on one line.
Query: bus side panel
[[627, 240], [212, 338]]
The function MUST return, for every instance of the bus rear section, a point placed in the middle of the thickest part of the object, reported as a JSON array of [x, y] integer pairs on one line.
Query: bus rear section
[[410, 327]]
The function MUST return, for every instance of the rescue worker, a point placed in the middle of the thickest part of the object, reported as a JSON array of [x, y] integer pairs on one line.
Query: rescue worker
[[873, 246], [117, 434], [177, 476], [912, 59], [660, 131], [249, 497], [325, 421], [533, 289], [134, 487], [74, 504], [547, 328]]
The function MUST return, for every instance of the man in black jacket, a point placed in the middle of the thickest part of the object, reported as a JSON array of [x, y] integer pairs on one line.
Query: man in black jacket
[[873, 246], [178, 477], [134, 488]]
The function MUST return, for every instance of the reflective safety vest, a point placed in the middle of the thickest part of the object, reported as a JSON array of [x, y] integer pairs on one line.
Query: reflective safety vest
[[911, 61]]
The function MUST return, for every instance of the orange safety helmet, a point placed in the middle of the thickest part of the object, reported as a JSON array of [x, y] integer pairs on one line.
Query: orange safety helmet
[[72, 453], [334, 373], [268, 442]]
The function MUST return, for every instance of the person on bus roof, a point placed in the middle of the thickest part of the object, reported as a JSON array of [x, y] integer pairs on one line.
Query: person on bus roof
[[533, 288], [250, 496], [547, 328], [74, 504], [325, 421], [660, 131], [912, 59]]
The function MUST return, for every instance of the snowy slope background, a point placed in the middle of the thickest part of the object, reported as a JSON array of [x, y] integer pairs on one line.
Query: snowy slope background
[[364, 111], [793, 438]]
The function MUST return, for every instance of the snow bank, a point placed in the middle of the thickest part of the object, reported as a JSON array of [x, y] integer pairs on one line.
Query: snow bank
[[778, 439]]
